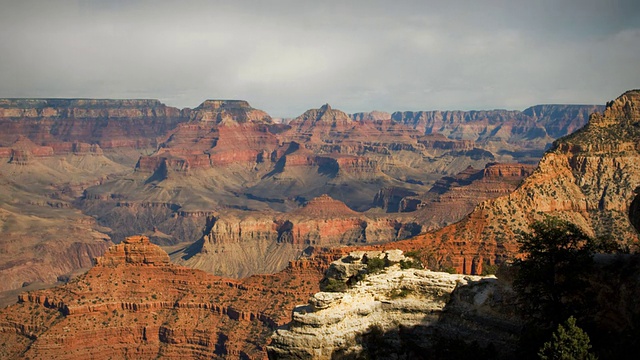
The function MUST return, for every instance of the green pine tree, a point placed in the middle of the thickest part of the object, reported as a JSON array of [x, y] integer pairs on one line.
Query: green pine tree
[[568, 342]]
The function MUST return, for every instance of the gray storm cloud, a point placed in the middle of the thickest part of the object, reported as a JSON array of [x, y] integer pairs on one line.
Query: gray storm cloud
[[287, 56]]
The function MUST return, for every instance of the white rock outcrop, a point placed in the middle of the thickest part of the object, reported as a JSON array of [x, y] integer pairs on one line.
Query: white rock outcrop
[[332, 323]]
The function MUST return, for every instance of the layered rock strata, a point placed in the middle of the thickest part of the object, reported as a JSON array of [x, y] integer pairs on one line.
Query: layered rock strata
[[460, 192], [530, 128], [396, 313], [134, 303], [111, 124], [236, 244], [193, 164], [226, 154], [229, 155], [587, 178]]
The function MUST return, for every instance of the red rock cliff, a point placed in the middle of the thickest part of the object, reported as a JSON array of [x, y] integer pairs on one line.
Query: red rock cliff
[[134, 303], [588, 178], [109, 123]]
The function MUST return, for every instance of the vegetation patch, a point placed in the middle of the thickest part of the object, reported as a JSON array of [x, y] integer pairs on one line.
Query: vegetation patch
[[400, 293], [333, 285], [410, 264], [375, 265]]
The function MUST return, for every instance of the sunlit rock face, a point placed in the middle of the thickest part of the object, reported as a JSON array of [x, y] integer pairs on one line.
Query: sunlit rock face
[[588, 178], [135, 303], [400, 312]]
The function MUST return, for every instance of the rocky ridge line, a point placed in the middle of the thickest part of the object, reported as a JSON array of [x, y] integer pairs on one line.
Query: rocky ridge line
[[587, 178], [133, 295]]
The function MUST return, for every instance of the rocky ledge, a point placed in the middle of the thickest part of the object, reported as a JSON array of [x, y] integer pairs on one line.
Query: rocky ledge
[[402, 312]]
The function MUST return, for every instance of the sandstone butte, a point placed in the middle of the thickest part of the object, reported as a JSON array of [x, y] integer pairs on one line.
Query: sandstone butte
[[135, 304], [590, 178]]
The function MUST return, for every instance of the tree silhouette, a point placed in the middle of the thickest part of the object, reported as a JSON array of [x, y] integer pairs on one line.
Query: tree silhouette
[[551, 276]]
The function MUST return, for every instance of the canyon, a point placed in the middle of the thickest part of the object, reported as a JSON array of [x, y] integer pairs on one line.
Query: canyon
[[78, 175], [588, 178], [135, 303]]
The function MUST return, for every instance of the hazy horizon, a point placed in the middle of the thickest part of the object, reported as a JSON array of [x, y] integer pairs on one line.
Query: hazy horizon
[[294, 115]]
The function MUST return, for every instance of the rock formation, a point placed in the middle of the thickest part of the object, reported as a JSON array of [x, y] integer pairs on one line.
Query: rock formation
[[453, 197], [230, 155], [237, 244], [535, 126], [141, 167], [397, 313], [561, 120], [467, 188], [402, 312], [588, 178], [111, 124], [134, 250], [218, 133], [134, 303], [370, 116], [390, 199]]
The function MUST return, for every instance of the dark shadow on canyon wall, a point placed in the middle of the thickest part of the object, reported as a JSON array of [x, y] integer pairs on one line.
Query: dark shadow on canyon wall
[[466, 331], [634, 211]]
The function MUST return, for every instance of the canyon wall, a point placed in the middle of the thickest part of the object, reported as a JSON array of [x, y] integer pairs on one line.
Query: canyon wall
[[134, 303], [231, 156], [111, 124], [237, 244], [587, 178], [531, 127], [141, 167]]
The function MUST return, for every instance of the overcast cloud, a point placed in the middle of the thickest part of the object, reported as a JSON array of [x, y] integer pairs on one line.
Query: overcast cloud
[[288, 56]]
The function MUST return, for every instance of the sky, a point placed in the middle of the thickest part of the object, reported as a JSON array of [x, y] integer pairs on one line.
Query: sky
[[288, 56]]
